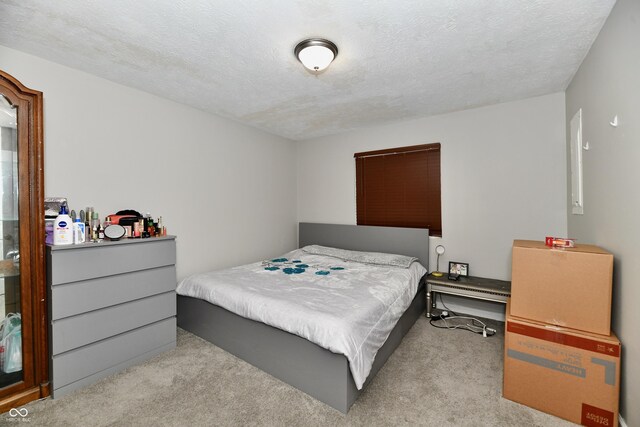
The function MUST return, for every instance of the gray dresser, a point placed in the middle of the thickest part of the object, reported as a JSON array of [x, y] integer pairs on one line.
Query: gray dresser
[[111, 305]]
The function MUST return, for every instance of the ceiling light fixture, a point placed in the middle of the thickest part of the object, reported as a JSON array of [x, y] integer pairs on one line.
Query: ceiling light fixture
[[316, 54]]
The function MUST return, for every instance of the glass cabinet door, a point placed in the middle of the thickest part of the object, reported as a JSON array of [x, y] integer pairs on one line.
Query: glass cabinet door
[[10, 310], [24, 349]]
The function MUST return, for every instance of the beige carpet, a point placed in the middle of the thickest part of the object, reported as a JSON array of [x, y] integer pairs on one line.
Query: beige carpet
[[435, 378]]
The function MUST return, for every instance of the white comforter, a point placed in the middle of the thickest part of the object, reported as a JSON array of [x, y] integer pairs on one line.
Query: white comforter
[[350, 311]]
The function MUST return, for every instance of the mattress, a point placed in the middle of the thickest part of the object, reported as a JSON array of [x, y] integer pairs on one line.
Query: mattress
[[344, 301]]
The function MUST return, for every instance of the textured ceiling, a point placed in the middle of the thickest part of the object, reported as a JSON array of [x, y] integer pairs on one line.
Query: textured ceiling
[[397, 59]]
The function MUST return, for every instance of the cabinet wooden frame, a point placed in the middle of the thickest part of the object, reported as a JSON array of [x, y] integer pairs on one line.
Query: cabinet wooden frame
[[33, 295]]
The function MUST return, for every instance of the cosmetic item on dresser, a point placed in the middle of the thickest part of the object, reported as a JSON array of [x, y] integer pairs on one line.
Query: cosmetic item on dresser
[[126, 220], [62, 228], [87, 223], [51, 210], [149, 225], [95, 219], [161, 230], [48, 229], [125, 217], [88, 217], [114, 232], [52, 206], [136, 229], [120, 219], [78, 231]]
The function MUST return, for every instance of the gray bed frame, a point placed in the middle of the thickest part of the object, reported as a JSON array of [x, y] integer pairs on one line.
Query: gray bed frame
[[295, 360]]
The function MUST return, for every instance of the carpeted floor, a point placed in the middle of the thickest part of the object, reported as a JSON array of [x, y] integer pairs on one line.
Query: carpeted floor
[[435, 378]]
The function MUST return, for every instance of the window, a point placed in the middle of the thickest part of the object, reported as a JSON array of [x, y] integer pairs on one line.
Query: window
[[400, 187]]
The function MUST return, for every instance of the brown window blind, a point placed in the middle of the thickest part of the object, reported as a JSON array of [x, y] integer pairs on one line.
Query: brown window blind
[[400, 187]]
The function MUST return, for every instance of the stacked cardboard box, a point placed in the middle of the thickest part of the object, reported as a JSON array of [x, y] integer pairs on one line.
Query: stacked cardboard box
[[560, 355], [565, 287]]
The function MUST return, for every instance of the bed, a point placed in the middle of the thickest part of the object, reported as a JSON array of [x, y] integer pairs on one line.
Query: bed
[[321, 373]]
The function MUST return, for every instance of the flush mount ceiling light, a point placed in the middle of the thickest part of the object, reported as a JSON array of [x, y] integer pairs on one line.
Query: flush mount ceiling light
[[316, 54]]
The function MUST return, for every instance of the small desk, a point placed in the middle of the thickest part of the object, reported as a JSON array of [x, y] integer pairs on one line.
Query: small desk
[[470, 287]]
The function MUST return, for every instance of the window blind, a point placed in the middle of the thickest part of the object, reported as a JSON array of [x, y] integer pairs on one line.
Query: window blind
[[400, 187]]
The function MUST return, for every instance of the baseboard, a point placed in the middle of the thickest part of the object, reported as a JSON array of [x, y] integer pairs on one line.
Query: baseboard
[[621, 421]]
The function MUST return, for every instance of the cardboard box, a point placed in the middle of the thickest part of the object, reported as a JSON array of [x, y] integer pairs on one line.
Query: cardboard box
[[566, 373], [568, 287]]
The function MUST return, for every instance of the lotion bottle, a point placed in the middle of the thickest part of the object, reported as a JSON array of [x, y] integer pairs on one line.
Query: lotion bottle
[[78, 231], [62, 228]]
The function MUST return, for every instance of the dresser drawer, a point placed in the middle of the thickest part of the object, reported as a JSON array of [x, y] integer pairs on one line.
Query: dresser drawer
[[72, 264], [87, 295], [83, 329], [94, 358]]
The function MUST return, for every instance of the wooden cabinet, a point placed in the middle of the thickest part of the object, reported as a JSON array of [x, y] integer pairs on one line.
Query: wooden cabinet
[[23, 300], [112, 305]]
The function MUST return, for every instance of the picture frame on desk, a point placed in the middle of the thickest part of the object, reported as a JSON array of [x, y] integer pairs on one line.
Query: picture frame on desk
[[457, 270]]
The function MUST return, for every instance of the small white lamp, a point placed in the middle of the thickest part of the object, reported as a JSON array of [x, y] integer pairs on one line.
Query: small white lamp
[[439, 251]]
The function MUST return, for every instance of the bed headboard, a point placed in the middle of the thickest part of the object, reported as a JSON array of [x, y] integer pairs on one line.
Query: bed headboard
[[393, 240]]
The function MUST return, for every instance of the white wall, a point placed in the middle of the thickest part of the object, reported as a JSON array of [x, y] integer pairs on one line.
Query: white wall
[[608, 84], [226, 190], [503, 177]]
